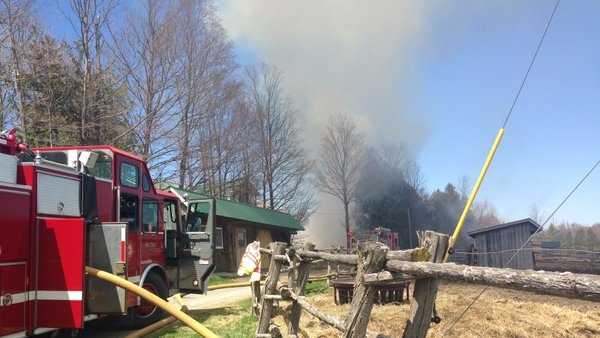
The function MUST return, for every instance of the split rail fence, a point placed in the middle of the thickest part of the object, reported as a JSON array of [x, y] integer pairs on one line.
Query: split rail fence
[[375, 265], [572, 260]]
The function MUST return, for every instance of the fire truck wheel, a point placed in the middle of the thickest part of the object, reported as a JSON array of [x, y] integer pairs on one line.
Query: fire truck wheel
[[147, 313]]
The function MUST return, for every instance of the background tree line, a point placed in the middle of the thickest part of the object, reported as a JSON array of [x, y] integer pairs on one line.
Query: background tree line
[[382, 185], [158, 78], [574, 235]]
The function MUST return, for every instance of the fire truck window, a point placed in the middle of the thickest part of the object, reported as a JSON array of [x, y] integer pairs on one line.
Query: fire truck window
[[130, 175], [197, 217], [170, 216], [55, 156], [103, 166], [150, 216], [146, 183], [129, 212]]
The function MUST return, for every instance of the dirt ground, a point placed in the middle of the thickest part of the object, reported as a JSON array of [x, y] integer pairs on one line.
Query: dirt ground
[[498, 313]]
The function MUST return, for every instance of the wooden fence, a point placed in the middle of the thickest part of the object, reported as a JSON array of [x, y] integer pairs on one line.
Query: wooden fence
[[564, 260], [578, 261], [376, 265]]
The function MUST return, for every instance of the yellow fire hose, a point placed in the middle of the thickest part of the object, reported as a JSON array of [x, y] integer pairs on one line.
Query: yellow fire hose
[[152, 298], [475, 191], [152, 328], [242, 284], [229, 285]]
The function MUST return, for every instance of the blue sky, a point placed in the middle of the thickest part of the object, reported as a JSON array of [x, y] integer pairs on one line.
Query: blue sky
[[460, 77], [471, 69]]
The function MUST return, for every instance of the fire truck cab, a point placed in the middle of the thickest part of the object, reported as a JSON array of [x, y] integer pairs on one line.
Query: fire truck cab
[[62, 208]]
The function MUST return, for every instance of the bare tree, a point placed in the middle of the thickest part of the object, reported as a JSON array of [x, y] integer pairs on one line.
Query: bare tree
[[17, 22], [414, 176], [208, 93], [147, 56], [396, 157], [222, 139], [485, 214], [90, 18], [341, 152], [283, 164], [3, 112], [535, 213], [463, 186]]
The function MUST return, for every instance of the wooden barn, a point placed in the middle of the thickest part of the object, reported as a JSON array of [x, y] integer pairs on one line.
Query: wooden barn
[[495, 245], [238, 224]]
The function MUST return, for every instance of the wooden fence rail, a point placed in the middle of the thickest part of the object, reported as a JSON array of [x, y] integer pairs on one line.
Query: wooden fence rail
[[553, 283], [375, 266]]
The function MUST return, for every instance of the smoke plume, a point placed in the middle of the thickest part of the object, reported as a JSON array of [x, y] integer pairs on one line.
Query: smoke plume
[[339, 56]]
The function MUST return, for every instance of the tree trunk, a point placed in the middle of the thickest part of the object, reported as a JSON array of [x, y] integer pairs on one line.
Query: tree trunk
[[184, 151], [347, 224], [14, 51]]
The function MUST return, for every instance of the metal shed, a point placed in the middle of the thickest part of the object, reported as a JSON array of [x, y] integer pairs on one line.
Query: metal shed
[[495, 245]]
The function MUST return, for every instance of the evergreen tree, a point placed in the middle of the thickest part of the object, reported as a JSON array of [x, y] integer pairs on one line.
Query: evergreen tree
[[52, 99]]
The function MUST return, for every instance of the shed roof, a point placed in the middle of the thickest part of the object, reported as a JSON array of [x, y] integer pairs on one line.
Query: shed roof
[[244, 212], [533, 224]]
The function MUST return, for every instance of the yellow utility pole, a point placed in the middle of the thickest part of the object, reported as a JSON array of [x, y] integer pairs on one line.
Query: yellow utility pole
[[475, 191]]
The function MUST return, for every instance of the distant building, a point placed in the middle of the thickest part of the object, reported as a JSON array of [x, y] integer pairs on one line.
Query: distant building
[[378, 234], [239, 224], [495, 245]]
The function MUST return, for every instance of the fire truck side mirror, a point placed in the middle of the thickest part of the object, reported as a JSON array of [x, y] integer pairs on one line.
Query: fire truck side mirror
[[88, 159]]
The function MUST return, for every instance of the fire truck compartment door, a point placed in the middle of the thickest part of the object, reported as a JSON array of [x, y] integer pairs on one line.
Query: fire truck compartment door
[[14, 254], [61, 260], [196, 257], [13, 297], [106, 251]]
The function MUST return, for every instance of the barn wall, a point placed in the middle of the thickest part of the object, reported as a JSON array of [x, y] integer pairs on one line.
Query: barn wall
[[481, 247], [228, 258], [496, 247], [221, 257]]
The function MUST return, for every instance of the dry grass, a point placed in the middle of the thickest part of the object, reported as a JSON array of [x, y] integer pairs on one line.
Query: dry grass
[[499, 313]]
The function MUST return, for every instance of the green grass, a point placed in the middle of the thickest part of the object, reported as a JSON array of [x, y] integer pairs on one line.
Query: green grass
[[313, 288], [218, 280], [236, 321], [232, 322]]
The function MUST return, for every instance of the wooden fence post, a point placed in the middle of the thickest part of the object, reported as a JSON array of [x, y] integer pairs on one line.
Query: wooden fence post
[[371, 258], [266, 308], [422, 303], [297, 279], [255, 288]]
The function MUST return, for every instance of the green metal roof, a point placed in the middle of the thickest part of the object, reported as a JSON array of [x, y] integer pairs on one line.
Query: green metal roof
[[244, 212]]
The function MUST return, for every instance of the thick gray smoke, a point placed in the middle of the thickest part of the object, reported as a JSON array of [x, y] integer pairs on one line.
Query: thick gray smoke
[[339, 56]]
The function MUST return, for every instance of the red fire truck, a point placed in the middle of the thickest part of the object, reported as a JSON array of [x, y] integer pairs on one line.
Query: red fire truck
[[378, 234], [62, 208]]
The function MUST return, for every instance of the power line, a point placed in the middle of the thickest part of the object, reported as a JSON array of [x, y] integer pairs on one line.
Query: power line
[[560, 205], [498, 140], [506, 120], [537, 50]]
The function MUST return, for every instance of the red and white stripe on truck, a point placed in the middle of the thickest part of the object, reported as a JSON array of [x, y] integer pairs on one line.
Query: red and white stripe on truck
[[42, 238]]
